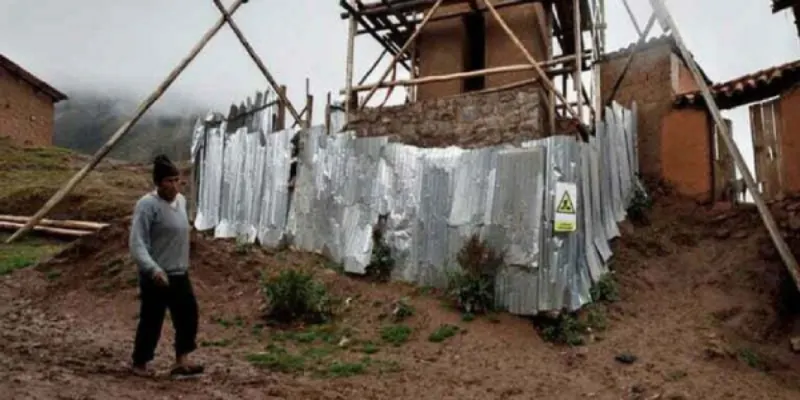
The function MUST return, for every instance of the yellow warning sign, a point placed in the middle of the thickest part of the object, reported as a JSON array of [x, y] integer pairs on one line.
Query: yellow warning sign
[[565, 205]]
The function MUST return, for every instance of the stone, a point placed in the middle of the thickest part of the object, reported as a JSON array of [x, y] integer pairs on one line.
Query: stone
[[795, 343], [794, 221], [626, 358]]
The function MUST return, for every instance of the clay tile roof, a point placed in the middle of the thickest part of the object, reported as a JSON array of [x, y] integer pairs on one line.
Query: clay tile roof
[[32, 80], [651, 43], [749, 88]]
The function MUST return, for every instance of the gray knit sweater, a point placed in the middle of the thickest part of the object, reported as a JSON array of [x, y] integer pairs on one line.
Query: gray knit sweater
[[159, 238]]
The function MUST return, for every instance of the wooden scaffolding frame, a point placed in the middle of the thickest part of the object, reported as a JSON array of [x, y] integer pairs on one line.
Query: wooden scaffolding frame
[[396, 24]]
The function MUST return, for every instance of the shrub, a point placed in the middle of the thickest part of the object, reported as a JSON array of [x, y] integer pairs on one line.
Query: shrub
[[443, 333], [473, 286], [381, 263], [640, 205], [295, 296], [605, 290], [396, 334], [565, 329]]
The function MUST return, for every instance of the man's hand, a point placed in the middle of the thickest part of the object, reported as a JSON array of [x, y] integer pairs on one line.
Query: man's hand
[[160, 277]]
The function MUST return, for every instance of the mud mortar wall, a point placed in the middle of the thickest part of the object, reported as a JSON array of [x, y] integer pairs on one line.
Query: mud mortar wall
[[468, 121]]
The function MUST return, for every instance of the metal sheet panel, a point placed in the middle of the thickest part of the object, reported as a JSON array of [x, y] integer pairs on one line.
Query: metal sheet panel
[[272, 197]]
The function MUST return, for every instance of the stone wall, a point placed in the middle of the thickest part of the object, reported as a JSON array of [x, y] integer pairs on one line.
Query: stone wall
[[467, 120], [26, 115]]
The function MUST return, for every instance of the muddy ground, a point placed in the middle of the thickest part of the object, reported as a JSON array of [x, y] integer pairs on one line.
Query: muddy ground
[[702, 315]]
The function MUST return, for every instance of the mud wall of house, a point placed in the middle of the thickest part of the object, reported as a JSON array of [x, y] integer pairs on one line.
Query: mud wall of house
[[442, 46], [467, 120], [790, 140], [686, 151], [26, 115], [649, 82]]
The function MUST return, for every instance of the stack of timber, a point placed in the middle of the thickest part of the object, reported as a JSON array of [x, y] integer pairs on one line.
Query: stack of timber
[[61, 228]]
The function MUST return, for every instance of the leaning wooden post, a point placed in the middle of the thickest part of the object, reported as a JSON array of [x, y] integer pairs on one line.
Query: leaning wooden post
[[351, 39], [783, 249], [403, 49], [629, 61], [542, 76], [126, 127], [281, 108], [257, 60]]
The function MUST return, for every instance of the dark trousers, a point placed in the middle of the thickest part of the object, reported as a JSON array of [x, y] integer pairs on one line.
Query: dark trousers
[[179, 298]]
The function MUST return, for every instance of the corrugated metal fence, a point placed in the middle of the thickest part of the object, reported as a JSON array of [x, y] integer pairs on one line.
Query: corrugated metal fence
[[434, 200]]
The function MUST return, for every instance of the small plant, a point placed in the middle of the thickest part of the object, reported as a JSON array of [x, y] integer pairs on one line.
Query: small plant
[[402, 310], [565, 329], [751, 358], [277, 359], [473, 286], [640, 205], [370, 348], [396, 334], [381, 263], [605, 290], [243, 246], [343, 369], [443, 333], [596, 318], [467, 317], [295, 296]]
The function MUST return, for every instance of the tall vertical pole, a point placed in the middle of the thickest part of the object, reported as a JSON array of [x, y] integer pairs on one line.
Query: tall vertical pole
[[576, 29], [351, 39]]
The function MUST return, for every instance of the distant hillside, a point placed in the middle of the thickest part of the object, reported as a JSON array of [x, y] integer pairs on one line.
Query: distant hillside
[[87, 120]]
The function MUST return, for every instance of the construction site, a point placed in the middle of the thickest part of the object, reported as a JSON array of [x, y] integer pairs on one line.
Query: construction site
[[507, 209]]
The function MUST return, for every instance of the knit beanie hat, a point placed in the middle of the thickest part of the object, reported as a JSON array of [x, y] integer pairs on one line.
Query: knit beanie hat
[[163, 168]]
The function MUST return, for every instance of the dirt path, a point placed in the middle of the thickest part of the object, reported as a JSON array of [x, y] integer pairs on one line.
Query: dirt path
[[699, 310]]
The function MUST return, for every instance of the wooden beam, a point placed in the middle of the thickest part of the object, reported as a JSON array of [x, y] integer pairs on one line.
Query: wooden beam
[[386, 43], [60, 232], [403, 49], [577, 77], [348, 95], [126, 127], [632, 17], [257, 60], [372, 67], [660, 9], [68, 224], [461, 75]]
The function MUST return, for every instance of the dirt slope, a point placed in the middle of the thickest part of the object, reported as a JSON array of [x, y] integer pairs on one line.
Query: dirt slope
[[701, 310]]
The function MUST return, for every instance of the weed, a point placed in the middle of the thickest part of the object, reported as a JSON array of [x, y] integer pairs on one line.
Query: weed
[[369, 348], [565, 329], [243, 246], [473, 286], [396, 334], [640, 205], [605, 290], [216, 343], [381, 263], [277, 359], [295, 296], [443, 333], [53, 274], [257, 329], [226, 323], [343, 369], [751, 358], [467, 317], [402, 310], [596, 318]]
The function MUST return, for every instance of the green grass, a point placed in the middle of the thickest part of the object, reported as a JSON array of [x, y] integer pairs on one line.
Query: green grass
[[443, 333], [396, 334], [25, 252], [320, 360]]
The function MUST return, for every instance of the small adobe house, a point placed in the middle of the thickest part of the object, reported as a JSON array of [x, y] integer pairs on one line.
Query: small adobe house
[[470, 83], [27, 106]]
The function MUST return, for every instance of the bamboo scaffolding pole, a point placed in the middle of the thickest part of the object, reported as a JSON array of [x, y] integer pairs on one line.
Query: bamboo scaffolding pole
[[256, 59], [460, 75], [543, 79], [405, 47], [632, 17], [577, 78], [351, 36], [126, 127], [664, 17], [69, 224], [47, 230]]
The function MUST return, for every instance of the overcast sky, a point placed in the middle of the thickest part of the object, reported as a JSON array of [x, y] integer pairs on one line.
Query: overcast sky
[[133, 44]]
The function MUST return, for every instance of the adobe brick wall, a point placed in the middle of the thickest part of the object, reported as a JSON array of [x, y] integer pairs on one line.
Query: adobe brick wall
[[467, 120], [648, 82], [442, 45], [790, 140], [686, 152], [26, 116]]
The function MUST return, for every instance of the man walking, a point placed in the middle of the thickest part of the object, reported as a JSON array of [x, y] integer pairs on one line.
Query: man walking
[[159, 244]]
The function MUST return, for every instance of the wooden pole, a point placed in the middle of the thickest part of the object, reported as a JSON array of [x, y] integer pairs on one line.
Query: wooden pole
[[348, 96], [542, 76], [69, 224], [632, 17], [281, 108], [328, 113], [403, 50], [257, 60], [125, 128], [461, 75], [660, 9], [72, 233], [576, 77]]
